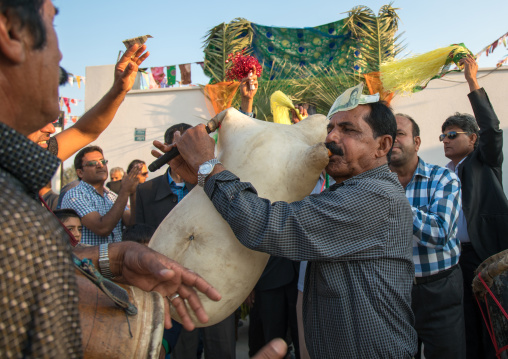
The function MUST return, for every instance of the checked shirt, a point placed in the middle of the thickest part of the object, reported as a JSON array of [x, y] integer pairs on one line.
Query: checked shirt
[[85, 199], [357, 239], [434, 195], [39, 315]]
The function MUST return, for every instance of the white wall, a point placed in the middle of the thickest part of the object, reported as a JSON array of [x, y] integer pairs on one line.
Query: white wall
[[155, 110], [158, 109]]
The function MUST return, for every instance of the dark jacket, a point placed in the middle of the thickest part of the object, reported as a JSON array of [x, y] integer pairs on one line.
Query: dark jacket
[[483, 200], [154, 200]]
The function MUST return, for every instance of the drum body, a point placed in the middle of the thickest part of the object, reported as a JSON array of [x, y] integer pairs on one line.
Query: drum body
[[283, 163], [105, 327], [494, 272]]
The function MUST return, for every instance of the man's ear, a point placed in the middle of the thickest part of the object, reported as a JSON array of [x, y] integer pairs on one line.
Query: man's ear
[[385, 143], [12, 38], [418, 142], [79, 172], [473, 138]]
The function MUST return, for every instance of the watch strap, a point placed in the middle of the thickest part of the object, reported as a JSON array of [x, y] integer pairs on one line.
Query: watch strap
[[104, 261]]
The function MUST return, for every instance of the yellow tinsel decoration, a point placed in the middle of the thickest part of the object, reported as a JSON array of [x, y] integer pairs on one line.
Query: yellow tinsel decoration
[[403, 76], [280, 105]]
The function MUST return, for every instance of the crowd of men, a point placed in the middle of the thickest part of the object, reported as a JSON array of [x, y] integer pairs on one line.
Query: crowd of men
[[391, 247]]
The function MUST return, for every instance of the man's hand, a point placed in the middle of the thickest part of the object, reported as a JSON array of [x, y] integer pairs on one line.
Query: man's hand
[[248, 89], [470, 71], [140, 266], [127, 68], [130, 181], [303, 112], [195, 147], [275, 349]]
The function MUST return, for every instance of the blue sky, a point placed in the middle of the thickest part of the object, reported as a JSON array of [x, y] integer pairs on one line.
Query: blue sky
[[91, 31]]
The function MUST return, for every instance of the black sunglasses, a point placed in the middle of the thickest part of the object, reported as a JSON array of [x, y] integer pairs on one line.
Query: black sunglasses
[[95, 163], [451, 135]]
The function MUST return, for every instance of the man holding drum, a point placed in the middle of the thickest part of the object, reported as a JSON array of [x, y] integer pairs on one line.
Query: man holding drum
[[38, 312]]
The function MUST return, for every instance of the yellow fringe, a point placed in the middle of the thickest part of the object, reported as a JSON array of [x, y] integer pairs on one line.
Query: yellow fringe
[[280, 105], [403, 75]]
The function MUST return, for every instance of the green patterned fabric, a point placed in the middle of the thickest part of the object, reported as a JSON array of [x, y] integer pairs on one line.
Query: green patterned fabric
[[325, 45]]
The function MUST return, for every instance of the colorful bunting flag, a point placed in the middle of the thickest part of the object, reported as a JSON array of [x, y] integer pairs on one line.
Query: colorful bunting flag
[[158, 75], [185, 72], [171, 71]]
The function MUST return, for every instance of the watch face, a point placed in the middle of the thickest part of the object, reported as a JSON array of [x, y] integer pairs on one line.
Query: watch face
[[205, 168]]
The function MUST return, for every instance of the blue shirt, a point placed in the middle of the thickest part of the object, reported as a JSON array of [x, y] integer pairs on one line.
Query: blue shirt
[[180, 189], [434, 195], [85, 199]]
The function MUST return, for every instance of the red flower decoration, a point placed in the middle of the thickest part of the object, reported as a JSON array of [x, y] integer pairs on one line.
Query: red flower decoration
[[242, 65]]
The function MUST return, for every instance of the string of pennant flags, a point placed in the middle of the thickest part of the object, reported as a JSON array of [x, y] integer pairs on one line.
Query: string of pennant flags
[[66, 102], [71, 79], [489, 49], [165, 76]]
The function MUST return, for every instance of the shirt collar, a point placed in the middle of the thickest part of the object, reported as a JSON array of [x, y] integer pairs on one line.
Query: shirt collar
[[89, 187], [421, 169], [452, 167], [170, 180], [367, 174], [25, 160]]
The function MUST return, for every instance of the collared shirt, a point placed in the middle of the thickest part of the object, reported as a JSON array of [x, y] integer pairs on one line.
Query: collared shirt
[[180, 189], [357, 238], [462, 233], [85, 199], [39, 315], [434, 195]]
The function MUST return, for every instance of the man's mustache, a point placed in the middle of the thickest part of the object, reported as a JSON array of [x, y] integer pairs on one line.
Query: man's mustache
[[336, 150]]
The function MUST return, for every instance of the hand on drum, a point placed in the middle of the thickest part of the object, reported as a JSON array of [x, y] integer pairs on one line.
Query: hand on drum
[[134, 264], [195, 147], [275, 349]]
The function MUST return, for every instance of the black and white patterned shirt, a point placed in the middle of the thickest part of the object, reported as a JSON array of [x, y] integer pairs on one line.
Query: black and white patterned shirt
[[38, 293], [357, 238]]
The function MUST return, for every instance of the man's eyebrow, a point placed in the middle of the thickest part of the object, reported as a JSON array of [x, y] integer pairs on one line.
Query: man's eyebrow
[[345, 123]]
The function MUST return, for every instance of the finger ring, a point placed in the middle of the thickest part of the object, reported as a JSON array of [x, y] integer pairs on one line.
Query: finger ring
[[173, 297]]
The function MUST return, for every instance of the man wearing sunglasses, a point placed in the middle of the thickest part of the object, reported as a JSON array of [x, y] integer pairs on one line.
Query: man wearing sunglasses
[[101, 210], [476, 157]]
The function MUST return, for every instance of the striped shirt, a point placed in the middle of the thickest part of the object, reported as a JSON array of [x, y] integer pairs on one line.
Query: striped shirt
[[357, 239], [434, 195], [85, 199]]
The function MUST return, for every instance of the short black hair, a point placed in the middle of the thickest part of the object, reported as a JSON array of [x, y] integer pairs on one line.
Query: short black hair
[[141, 233], [65, 213], [416, 128], [78, 160], [29, 13], [134, 163], [465, 122], [382, 121], [170, 132]]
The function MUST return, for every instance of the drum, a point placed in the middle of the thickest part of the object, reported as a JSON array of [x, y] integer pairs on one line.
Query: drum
[[107, 331], [490, 287]]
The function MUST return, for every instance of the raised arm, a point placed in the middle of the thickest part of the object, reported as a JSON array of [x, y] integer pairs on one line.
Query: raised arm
[[98, 118]]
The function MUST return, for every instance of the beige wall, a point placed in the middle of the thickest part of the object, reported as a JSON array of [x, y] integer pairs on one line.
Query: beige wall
[[155, 110], [158, 109]]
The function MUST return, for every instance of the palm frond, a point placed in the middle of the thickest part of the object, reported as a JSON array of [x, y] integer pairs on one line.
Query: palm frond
[[375, 35], [220, 42]]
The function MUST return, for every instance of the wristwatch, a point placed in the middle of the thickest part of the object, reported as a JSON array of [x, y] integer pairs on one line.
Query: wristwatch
[[205, 169], [104, 261]]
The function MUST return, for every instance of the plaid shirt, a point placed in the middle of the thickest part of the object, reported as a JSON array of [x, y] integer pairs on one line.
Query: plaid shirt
[[85, 199], [434, 195], [39, 315], [357, 239]]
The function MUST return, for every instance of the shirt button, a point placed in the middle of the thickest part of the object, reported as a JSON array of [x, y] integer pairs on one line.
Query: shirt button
[[174, 200]]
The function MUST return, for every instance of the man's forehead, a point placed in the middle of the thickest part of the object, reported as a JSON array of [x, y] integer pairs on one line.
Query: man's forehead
[[92, 154], [354, 116]]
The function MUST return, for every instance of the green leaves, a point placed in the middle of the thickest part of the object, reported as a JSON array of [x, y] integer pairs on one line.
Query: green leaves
[[222, 40], [376, 38]]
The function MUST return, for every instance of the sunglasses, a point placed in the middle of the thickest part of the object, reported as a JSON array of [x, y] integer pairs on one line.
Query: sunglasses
[[451, 135], [144, 174], [95, 163]]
